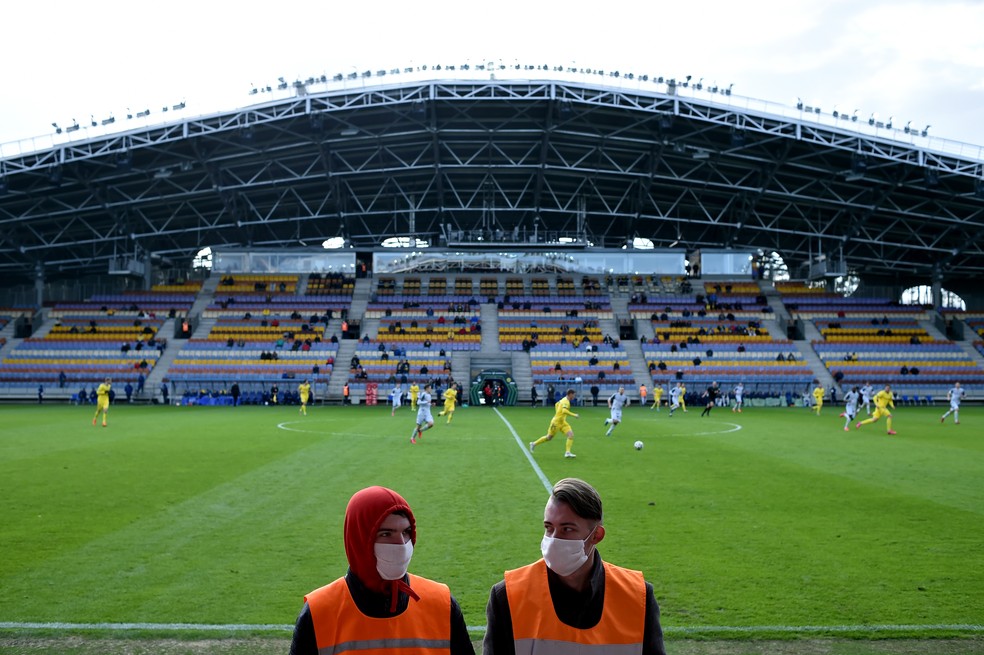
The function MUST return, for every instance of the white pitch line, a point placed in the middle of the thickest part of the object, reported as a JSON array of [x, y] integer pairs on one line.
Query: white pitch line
[[693, 629], [734, 428], [526, 451], [176, 627], [869, 629]]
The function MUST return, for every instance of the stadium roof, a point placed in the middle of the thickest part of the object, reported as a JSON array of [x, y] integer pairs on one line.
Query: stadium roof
[[446, 156]]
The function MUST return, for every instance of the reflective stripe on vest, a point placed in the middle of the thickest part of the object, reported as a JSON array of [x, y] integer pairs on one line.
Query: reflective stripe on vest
[[423, 629], [536, 627]]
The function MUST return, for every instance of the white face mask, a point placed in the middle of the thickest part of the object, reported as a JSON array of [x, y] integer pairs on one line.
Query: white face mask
[[392, 560], [564, 556]]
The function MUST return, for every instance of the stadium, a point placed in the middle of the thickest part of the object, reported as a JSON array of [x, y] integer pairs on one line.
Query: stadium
[[511, 228]]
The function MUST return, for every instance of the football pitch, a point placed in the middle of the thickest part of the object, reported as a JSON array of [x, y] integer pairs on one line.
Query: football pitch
[[773, 524]]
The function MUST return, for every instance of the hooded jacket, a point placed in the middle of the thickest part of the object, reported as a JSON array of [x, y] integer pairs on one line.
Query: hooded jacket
[[366, 511], [372, 596]]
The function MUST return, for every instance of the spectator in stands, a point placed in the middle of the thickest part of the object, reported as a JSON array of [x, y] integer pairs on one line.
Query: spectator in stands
[[235, 393], [534, 396], [913, 370], [140, 381], [780, 357], [696, 361], [557, 367], [790, 357], [904, 370], [165, 393], [62, 378], [128, 390], [616, 366]]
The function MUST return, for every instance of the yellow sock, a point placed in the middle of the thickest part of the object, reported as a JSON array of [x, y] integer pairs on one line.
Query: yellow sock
[[888, 423], [450, 416], [570, 442]]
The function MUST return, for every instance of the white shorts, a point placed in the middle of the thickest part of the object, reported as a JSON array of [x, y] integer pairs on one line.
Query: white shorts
[[424, 415], [616, 415], [954, 406], [397, 401]]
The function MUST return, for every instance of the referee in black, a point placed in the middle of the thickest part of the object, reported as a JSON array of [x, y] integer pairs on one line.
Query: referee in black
[[711, 394]]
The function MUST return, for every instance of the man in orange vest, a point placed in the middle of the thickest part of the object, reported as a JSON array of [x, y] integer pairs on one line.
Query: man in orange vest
[[379, 535], [572, 599]]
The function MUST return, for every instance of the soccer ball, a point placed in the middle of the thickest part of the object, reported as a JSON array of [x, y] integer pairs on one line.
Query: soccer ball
[[638, 445]]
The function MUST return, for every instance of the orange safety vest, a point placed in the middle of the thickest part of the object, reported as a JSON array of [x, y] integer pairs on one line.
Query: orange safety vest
[[423, 629], [536, 627]]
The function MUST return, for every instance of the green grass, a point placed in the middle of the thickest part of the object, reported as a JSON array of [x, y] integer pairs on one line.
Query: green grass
[[225, 516]]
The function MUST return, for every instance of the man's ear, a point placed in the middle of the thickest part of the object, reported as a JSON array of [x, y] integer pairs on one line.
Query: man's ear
[[599, 534]]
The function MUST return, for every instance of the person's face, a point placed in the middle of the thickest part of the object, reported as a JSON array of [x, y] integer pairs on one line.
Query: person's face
[[395, 529], [560, 522]]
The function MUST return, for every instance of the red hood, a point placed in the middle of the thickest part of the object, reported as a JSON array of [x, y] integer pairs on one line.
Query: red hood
[[363, 516]]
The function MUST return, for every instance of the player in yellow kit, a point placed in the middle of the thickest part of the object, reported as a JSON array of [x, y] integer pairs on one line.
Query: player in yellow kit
[[818, 398], [414, 392], [657, 396], [562, 409], [102, 401], [450, 396], [683, 396], [304, 391], [883, 400]]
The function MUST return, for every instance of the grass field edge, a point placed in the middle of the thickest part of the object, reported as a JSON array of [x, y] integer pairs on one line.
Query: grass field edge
[[887, 631]]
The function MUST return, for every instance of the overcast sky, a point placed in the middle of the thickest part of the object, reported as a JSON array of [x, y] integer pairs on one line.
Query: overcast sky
[[921, 60]]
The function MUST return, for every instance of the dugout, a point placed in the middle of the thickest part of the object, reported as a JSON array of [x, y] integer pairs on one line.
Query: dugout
[[493, 376]]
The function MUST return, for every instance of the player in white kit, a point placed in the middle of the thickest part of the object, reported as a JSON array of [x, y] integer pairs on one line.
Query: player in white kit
[[616, 402], [955, 395], [425, 421]]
